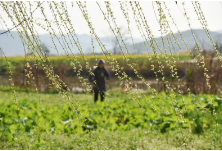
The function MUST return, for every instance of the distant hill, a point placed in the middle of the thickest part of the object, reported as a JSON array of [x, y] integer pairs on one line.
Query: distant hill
[[14, 47], [219, 31], [199, 34]]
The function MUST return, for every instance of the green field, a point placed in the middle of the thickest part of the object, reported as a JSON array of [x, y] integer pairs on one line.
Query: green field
[[51, 121], [91, 58]]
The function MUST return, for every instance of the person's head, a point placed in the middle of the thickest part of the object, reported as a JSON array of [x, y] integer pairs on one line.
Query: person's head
[[101, 63]]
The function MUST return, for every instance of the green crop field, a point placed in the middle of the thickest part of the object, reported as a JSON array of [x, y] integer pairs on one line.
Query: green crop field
[[48, 121], [92, 58]]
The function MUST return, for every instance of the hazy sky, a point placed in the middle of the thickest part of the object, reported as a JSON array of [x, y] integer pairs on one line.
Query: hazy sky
[[212, 11]]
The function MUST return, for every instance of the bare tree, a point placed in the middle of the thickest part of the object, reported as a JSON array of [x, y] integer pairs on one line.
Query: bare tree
[[219, 47], [194, 51], [202, 44], [116, 41], [115, 45], [42, 49], [1, 52]]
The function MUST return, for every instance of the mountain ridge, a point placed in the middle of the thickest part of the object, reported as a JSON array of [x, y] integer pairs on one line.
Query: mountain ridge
[[199, 34], [14, 47]]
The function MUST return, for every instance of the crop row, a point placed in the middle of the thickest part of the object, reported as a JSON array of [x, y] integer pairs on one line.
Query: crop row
[[194, 112]]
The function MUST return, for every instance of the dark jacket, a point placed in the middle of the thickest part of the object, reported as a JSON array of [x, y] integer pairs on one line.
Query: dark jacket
[[99, 78]]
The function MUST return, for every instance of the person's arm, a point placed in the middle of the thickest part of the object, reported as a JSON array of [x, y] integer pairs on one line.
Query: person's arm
[[107, 74], [92, 77]]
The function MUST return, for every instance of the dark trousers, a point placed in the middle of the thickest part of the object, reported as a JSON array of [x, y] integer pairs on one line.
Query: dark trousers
[[102, 96]]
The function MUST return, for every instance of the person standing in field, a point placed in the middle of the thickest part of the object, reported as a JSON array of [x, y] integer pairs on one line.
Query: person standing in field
[[98, 80]]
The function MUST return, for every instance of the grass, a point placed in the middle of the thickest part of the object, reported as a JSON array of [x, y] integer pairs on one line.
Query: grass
[[133, 140], [42, 98], [136, 138]]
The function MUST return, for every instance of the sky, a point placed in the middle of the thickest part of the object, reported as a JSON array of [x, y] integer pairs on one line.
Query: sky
[[212, 11]]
